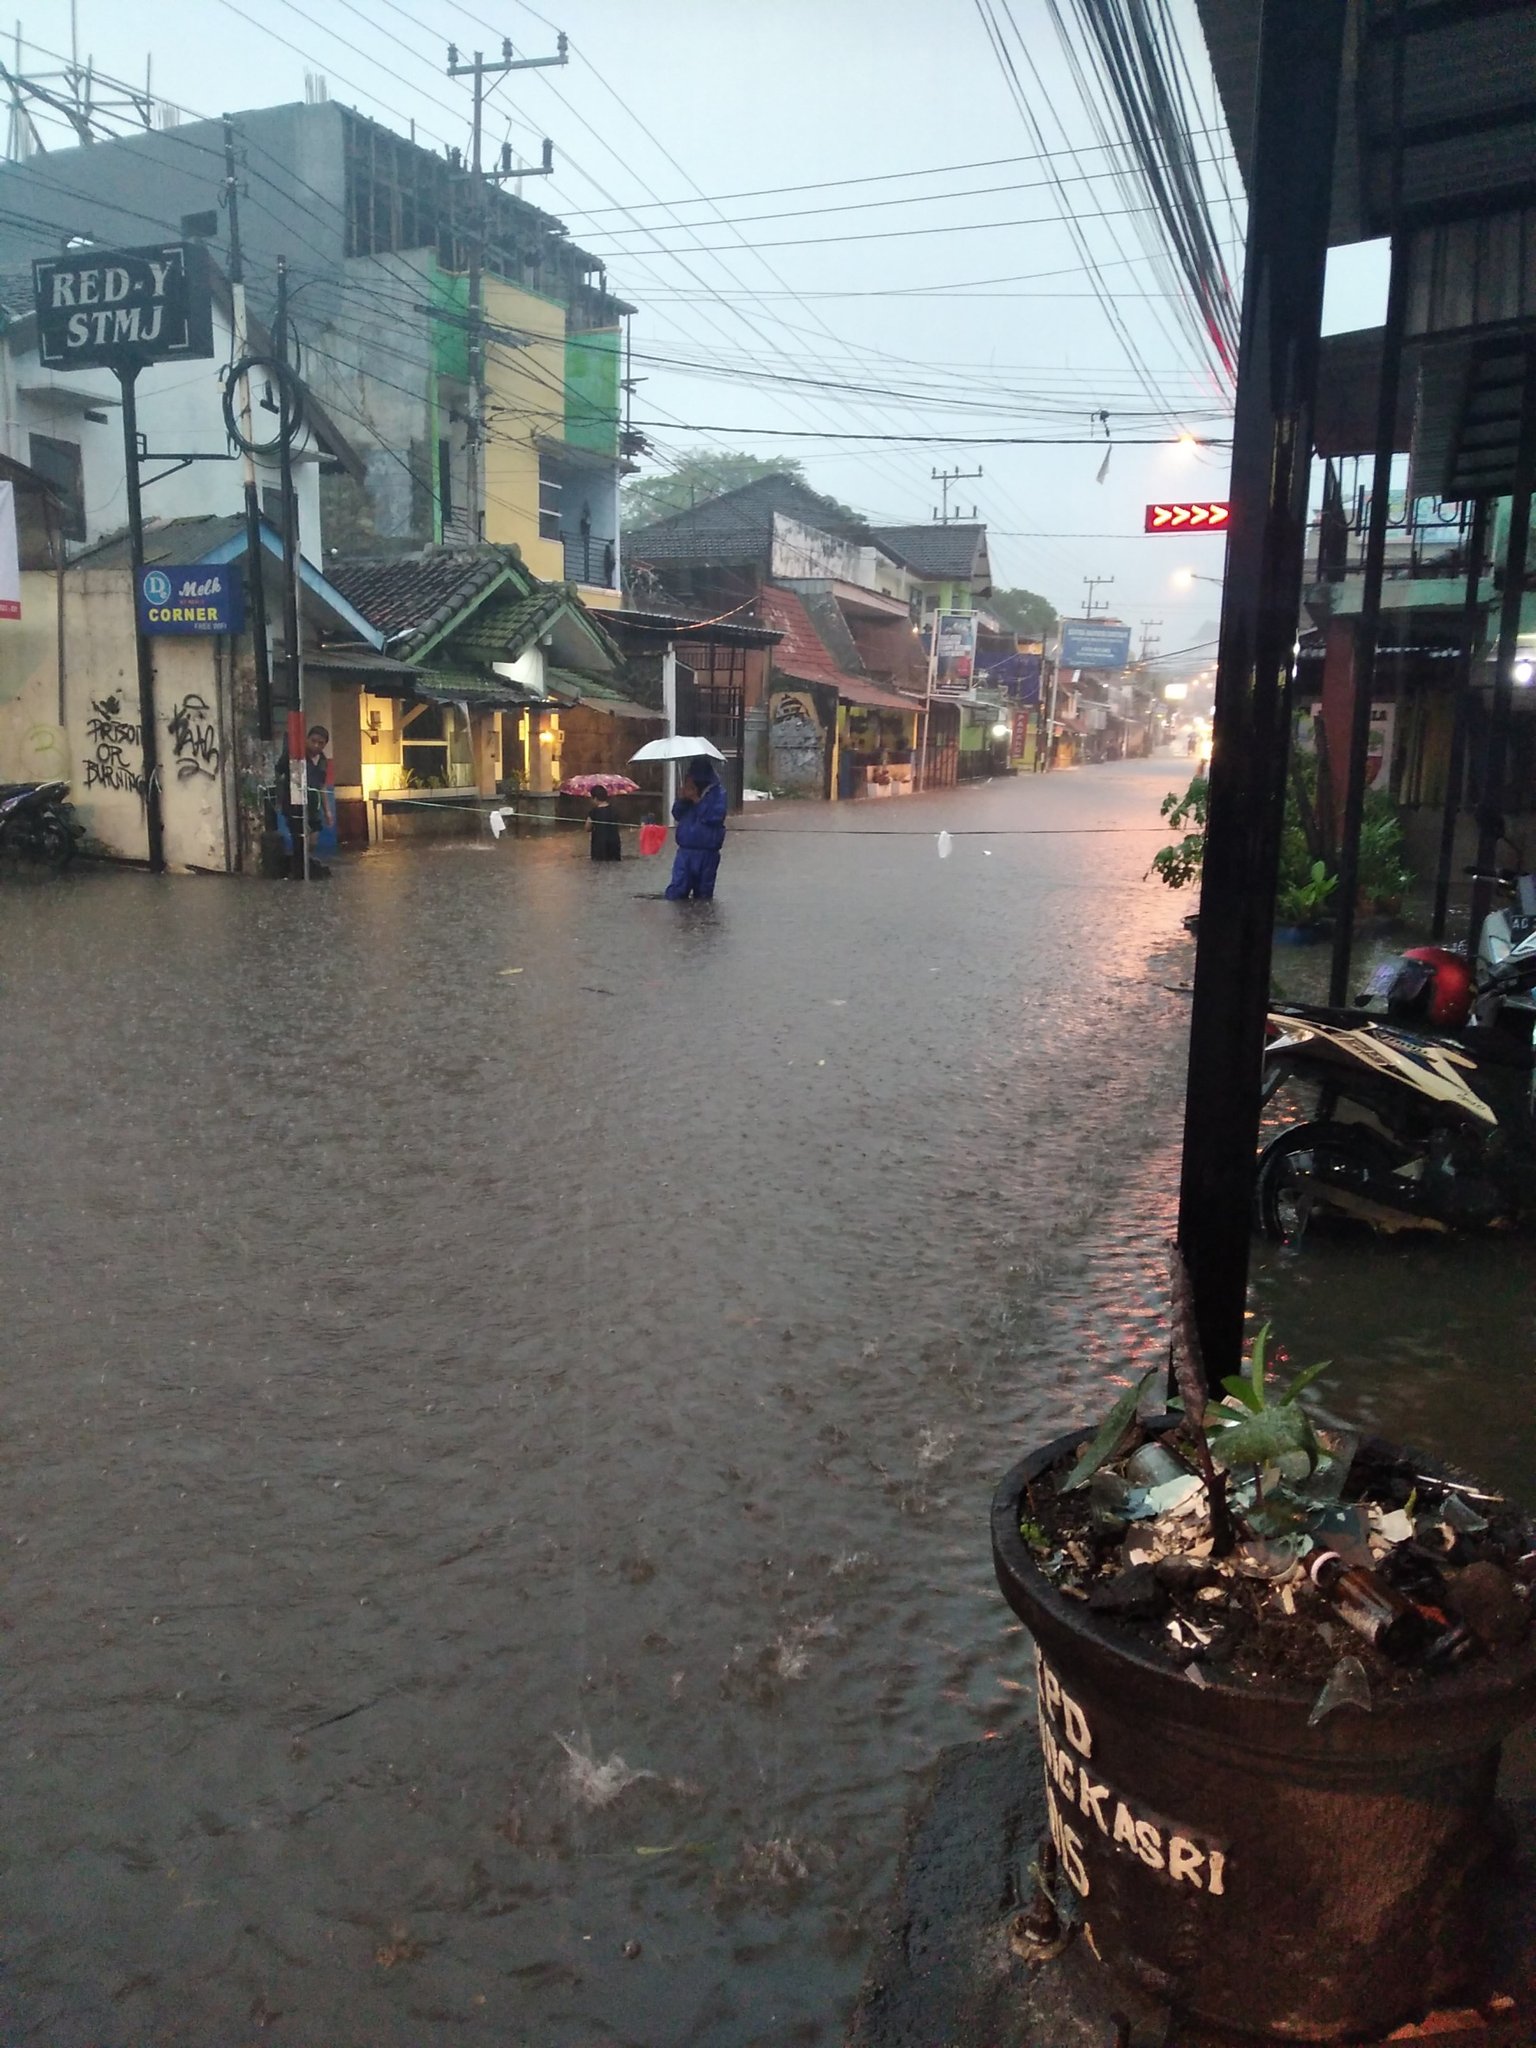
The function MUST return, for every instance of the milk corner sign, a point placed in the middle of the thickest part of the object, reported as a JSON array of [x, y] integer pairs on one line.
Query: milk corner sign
[[195, 598], [106, 308]]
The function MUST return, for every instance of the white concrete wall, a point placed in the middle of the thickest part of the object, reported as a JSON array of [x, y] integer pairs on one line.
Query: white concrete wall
[[180, 408], [86, 728], [804, 551]]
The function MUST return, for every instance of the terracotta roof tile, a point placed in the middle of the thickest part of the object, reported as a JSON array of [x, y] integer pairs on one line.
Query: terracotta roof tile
[[801, 652]]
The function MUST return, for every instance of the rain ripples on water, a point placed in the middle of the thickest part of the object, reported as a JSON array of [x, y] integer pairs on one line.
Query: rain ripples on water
[[497, 1463]]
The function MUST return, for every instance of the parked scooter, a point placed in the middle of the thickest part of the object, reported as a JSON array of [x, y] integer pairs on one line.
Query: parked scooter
[[37, 823], [1424, 1114]]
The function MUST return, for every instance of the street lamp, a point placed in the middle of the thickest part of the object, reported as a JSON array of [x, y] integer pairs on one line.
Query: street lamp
[[1183, 578]]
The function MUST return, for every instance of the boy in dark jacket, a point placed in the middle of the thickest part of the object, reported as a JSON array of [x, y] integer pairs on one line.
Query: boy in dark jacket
[[700, 816]]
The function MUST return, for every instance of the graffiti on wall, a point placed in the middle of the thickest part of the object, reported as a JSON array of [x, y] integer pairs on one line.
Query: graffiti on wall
[[112, 735], [796, 744], [194, 738]]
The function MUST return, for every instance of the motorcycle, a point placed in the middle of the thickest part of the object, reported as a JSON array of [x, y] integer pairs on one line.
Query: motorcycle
[[37, 823], [1424, 1115]]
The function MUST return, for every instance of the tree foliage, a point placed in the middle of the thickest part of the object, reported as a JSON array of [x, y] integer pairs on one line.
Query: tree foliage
[[1023, 611]]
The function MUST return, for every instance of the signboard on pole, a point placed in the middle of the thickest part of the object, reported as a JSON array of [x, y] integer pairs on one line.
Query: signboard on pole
[[101, 308], [1204, 516], [954, 654], [196, 598], [10, 564], [1085, 644]]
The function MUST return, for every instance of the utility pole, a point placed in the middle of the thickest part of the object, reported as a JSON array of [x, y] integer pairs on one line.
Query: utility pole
[[154, 829], [1148, 639], [1092, 606], [255, 594], [480, 71], [297, 793], [944, 478]]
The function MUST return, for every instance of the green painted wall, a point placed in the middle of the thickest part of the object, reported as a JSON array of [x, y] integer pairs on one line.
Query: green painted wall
[[592, 391], [450, 338]]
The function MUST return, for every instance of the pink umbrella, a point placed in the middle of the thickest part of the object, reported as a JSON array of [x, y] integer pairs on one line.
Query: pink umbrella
[[583, 785]]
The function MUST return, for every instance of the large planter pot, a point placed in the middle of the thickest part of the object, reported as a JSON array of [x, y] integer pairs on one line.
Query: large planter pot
[[1299, 1883]]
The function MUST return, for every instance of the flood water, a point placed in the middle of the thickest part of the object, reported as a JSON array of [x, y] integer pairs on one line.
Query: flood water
[[505, 1380]]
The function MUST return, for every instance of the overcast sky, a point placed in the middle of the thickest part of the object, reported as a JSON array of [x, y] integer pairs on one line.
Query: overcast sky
[[986, 326]]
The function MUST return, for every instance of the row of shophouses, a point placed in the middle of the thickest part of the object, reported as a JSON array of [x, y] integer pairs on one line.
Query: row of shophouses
[[450, 658]]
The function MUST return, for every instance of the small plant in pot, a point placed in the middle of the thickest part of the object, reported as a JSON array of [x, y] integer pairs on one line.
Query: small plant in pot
[[1302, 905], [1275, 1664]]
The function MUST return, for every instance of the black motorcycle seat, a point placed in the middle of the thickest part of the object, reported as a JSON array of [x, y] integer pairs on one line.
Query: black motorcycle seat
[[1497, 1048]]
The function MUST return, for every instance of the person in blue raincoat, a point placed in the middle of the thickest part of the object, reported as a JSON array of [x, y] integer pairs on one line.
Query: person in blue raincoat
[[700, 817]]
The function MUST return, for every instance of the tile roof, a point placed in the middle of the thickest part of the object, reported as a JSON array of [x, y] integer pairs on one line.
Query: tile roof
[[801, 652], [411, 598], [738, 525], [952, 550], [165, 540], [507, 624]]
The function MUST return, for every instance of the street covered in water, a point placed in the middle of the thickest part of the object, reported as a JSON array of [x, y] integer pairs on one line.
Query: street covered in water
[[507, 1376]]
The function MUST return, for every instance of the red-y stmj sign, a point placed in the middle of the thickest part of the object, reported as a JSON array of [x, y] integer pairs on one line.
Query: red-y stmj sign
[[1204, 517]]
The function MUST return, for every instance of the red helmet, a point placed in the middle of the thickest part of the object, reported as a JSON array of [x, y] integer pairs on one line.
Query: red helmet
[[1432, 986]]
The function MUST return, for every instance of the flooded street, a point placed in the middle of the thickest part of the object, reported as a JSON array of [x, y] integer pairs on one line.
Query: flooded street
[[506, 1377]]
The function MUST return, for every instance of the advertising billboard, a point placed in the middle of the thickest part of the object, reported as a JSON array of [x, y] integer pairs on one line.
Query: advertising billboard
[[954, 664], [1086, 644]]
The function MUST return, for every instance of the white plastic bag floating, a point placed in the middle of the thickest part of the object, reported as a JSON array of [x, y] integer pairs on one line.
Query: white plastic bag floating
[[946, 845], [498, 823]]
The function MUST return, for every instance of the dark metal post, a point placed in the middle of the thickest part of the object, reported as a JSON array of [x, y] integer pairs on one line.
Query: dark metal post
[[1500, 709], [1368, 630], [298, 812], [255, 590], [127, 377], [1300, 59], [1471, 635]]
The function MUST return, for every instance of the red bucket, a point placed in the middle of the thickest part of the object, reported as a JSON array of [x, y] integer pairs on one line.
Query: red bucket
[[652, 838]]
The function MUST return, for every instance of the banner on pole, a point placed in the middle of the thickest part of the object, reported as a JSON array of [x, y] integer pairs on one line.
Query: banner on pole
[[10, 563]]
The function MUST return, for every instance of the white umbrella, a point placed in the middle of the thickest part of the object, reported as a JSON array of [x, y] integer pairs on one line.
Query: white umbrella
[[678, 748]]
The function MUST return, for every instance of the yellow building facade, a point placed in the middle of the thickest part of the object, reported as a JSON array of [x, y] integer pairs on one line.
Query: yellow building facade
[[552, 440]]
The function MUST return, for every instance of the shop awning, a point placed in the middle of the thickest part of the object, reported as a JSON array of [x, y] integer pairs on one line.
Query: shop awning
[[376, 672], [853, 691], [620, 707], [571, 687]]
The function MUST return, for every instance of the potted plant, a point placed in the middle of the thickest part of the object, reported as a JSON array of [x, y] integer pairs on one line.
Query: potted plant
[[1301, 905], [1275, 1666]]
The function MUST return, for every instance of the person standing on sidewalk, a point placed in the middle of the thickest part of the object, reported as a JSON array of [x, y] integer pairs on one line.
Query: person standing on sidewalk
[[700, 818]]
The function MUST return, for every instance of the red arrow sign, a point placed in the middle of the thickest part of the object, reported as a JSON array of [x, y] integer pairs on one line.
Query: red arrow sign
[[1206, 516]]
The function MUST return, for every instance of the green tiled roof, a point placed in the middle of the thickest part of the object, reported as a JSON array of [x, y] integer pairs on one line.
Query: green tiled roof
[[468, 686], [504, 627]]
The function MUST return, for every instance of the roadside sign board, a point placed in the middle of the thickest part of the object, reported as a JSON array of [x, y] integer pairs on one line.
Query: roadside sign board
[[101, 308], [954, 667], [1204, 516], [1085, 644], [194, 598]]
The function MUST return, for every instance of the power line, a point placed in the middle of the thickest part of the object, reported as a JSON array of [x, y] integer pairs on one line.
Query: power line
[[992, 163], [870, 205], [959, 227]]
